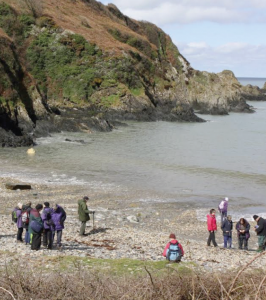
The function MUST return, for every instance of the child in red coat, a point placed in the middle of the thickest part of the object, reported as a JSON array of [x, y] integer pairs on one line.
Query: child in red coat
[[212, 227], [173, 251]]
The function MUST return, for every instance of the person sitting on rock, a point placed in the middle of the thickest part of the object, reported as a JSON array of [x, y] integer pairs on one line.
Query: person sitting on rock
[[212, 227], [173, 251], [58, 218], [243, 235], [227, 227]]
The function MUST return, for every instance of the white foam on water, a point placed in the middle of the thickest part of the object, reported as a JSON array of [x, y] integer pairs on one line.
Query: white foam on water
[[202, 215]]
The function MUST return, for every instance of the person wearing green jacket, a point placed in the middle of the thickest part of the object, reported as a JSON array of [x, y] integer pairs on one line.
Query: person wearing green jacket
[[83, 214]]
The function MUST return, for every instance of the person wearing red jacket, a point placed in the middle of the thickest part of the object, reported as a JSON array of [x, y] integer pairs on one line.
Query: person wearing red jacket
[[173, 241], [212, 227]]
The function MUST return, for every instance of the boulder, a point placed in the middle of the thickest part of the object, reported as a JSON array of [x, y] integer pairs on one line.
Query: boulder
[[133, 219], [21, 186]]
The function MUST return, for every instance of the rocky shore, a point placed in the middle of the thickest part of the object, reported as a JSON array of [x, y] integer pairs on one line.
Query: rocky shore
[[123, 229]]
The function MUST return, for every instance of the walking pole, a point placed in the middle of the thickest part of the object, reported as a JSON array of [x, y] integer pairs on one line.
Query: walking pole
[[93, 220]]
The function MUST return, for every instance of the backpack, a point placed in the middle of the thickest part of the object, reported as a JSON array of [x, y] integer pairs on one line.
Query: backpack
[[173, 252], [14, 216], [36, 226], [25, 217], [221, 206]]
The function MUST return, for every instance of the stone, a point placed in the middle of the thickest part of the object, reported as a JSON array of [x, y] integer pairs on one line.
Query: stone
[[133, 219], [11, 186]]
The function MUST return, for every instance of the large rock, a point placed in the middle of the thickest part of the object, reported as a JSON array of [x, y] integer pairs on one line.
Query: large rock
[[21, 186]]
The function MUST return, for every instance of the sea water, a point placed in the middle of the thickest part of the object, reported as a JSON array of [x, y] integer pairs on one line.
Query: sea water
[[195, 163]]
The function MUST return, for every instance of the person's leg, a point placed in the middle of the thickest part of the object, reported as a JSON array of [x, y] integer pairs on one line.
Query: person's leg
[[213, 238], [27, 237], [50, 239], [229, 242], [260, 242], [209, 239], [19, 234], [45, 236], [59, 238], [82, 228], [245, 241], [240, 242], [225, 241], [38, 241], [33, 241]]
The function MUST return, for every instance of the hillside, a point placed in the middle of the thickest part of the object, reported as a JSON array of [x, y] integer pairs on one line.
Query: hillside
[[80, 65]]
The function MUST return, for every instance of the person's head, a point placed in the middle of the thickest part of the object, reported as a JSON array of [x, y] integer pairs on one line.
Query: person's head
[[256, 218], [229, 218], [226, 199], [172, 236], [46, 204], [55, 206], [20, 205], [39, 207], [212, 211], [242, 221], [85, 198], [28, 204]]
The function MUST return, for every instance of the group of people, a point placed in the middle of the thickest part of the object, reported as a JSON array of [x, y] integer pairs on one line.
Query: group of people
[[48, 223], [43, 222], [242, 227]]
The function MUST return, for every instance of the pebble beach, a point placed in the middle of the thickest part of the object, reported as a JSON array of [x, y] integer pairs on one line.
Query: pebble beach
[[122, 229]]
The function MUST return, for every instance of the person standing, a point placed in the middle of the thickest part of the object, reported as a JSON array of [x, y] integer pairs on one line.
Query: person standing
[[83, 214], [26, 210], [35, 227], [19, 223], [223, 207], [48, 226], [261, 232], [212, 227], [243, 235], [227, 227], [58, 218]]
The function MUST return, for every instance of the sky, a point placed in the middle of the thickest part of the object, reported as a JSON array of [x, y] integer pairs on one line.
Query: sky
[[213, 35]]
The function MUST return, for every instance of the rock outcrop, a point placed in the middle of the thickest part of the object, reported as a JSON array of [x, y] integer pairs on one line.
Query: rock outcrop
[[253, 93], [81, 65]]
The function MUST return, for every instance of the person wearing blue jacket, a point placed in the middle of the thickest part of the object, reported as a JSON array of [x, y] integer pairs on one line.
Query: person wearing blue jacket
[[227, 227], [58, 218], [48, 226]]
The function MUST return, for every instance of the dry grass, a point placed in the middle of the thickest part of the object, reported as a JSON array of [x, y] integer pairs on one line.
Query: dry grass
[[84, 284]]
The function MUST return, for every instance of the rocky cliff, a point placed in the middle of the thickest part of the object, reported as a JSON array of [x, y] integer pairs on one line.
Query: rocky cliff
[[81, 65]]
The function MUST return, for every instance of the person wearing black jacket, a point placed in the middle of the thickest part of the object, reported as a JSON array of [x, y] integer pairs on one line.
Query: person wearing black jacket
[[261, 232], [227, 227]]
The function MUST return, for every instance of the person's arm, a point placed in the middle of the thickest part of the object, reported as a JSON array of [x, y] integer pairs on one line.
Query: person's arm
[[165, 249], [85, 208], [260, 228], [63, 216]]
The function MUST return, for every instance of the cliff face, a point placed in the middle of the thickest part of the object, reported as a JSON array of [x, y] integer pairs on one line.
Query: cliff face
[[79, 58]]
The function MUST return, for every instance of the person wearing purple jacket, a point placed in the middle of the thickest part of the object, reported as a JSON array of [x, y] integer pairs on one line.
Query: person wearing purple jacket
[[48, 226], [223, 206], [58, 218], [18, 209]]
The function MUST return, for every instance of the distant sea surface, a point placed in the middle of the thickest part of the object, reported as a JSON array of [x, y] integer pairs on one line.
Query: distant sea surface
[[158, 161], [252, 80]]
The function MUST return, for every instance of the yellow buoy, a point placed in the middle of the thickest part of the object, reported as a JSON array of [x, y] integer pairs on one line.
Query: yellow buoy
[[31, 151]]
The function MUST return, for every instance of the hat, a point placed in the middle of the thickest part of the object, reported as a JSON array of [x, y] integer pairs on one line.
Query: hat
[[172, 236], [255, 217], [85, 198], [47, 204], [226, 198]]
